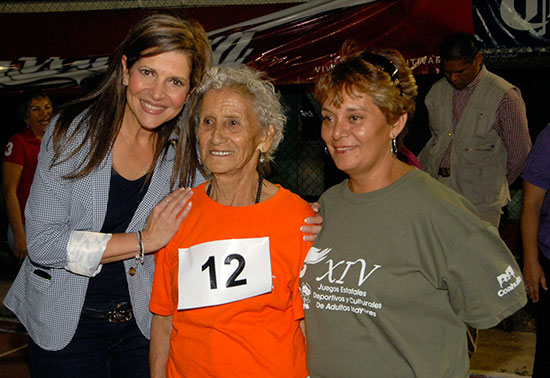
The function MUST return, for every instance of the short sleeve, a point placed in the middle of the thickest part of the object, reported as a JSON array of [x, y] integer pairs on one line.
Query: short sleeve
[[537, 165], [14, 150], [162, 302], [297, 304], [484, 281]]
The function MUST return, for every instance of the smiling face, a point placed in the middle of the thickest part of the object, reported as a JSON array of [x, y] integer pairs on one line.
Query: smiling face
[[357, 134], [229, 133], [39, 115], [158, 87]]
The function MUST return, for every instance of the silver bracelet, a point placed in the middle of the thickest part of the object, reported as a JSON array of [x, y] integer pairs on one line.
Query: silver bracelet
[[141, 249]]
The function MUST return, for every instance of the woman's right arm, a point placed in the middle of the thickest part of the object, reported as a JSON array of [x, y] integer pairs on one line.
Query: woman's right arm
[[161, 328], [162, 224], [11, 174], [48, 210], [86, 250], [57, 240], [533, 198]]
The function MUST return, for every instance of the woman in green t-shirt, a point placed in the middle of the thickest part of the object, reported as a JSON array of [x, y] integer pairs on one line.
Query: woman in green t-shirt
[[403, 264]]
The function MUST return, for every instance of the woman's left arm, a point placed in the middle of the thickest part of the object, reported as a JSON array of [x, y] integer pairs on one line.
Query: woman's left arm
[[481, 276], [11, 174]]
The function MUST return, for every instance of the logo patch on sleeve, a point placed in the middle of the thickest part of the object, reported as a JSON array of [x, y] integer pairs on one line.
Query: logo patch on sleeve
[[508, 281]]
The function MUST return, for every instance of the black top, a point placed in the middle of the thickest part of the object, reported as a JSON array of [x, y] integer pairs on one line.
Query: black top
[[124, 198]]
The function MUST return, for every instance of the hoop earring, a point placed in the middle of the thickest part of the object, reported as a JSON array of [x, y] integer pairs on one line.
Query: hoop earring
[[394, 147], [326, 151]]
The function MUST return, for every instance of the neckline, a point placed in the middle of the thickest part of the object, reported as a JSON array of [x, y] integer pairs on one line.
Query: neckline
[[115, 173], [376, 194], [258, 192]]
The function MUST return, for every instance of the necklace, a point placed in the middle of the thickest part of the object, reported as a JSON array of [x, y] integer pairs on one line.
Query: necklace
[[258, 194], [147, 166]]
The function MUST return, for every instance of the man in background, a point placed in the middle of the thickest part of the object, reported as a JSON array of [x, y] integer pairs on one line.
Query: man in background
[[480, 137]]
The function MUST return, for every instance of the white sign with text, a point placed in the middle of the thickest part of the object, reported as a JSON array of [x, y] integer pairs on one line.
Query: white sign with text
[[223, 271]]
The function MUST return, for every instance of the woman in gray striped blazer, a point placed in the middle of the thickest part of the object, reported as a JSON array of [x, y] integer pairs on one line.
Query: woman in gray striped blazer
[[96, 207]]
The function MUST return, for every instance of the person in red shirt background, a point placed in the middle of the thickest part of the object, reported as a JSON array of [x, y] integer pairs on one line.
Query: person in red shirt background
[[20, 158]]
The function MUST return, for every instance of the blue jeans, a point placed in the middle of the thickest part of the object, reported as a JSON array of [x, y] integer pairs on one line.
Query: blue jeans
[[97, 350]]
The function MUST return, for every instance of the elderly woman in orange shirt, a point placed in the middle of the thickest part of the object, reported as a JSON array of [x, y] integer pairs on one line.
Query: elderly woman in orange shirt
[[225, 297]]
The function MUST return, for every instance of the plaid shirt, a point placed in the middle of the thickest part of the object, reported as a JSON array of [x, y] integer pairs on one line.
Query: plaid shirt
[[510, 125]]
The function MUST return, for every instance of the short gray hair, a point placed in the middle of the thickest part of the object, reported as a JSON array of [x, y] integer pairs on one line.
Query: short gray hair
[[255, 86]]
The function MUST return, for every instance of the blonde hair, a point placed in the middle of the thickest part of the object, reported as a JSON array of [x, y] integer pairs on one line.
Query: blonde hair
[[367, 72]]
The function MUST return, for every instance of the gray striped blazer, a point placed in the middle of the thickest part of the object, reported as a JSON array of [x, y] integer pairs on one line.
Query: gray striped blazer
[[50, 308]]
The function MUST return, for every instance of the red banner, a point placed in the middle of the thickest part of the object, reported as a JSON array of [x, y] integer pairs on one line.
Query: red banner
[[293, 44]]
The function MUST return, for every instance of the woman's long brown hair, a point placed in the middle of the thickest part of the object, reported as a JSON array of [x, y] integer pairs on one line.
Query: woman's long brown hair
[[104, 107]]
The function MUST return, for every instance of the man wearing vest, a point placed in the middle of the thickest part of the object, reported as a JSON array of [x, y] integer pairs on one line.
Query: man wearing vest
[[479, 129]]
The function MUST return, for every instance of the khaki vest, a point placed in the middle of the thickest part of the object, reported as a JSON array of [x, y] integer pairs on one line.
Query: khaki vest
[[478, 156]]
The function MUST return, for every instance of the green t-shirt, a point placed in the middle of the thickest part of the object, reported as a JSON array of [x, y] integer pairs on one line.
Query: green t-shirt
[[394, 277]]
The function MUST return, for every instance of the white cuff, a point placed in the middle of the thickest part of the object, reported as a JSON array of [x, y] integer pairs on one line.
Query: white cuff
[[85, 251]]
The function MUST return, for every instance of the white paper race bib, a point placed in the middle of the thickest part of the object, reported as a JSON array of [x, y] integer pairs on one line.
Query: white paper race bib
[[223, 271]]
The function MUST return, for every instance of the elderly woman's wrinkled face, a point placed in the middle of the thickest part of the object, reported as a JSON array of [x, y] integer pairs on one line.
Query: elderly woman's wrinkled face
[[229, 133], [356, 133]]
